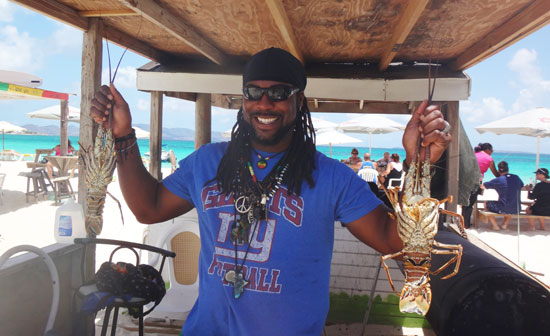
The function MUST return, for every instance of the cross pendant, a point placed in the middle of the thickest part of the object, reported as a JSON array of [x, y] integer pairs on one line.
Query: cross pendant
[[238, 282]]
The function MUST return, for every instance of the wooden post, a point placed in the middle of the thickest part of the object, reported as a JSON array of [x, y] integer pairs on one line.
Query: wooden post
[[203, 119], [63, 131], [155, 143], [91, 81], [453, 157]]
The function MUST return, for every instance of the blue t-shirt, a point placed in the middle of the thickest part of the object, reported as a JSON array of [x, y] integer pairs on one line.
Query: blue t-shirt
[[508, 188], [288, 263], [367, 164]]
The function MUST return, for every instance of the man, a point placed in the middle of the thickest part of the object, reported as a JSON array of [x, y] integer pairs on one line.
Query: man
[[508, 187], [367, 163], [541, 196], [383, 162], [266, 201]]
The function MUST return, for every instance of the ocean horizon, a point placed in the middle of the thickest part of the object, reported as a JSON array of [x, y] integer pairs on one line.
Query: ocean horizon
[[522, 164]]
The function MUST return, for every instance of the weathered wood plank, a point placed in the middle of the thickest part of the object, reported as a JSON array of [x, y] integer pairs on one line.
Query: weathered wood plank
[[281, 20], [203, 119], [176, 26], [57, 11], [524, 23], [155, 141], [453, 155], [408, 19]]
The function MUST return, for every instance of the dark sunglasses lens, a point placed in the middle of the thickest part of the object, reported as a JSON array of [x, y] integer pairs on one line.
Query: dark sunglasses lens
[[253, 92], [277, 93]]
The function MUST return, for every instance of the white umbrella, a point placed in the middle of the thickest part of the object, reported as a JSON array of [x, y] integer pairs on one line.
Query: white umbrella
[[141, 133], [54, 113], [321, 124], [370, 124], [533, 123], [331, 136], [6, 127]]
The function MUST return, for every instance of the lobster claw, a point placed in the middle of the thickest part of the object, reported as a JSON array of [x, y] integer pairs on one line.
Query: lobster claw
[[416, 297]]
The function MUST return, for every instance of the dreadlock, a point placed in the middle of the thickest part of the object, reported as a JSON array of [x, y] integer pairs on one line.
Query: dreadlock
[[300, 155]]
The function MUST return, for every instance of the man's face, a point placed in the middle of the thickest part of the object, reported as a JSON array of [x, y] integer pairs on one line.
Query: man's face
[[386, 156], [271, 122]]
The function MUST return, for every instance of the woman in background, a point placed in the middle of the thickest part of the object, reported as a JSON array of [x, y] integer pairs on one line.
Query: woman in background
[[485, 161], [541, 195]]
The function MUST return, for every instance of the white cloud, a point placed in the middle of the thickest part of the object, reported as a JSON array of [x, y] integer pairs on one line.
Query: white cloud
[[488, 109], [65, 39], [143, 105], [524, 63], [6, 11], [125, 76], [19, 51]]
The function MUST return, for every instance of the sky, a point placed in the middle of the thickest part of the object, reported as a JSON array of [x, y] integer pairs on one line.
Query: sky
[[514, 80]]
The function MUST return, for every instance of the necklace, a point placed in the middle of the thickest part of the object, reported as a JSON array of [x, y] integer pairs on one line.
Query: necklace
[[262, 163], [250, 204]]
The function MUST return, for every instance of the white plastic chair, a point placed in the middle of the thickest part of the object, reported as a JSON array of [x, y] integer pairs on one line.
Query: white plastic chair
[[368, 174], [183, 238], [396, 182]]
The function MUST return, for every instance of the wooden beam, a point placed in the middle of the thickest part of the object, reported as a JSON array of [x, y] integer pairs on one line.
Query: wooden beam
[[405, 24], [227, 101], [529, 20], [57, 11], [182, 95], [283, 23], [155, 138], [316, 103], [203, 119], [361, 104], [453, 155], [175, 26], [90, 82], [124, 40], [63, 126], [370, 107], [104, 13]]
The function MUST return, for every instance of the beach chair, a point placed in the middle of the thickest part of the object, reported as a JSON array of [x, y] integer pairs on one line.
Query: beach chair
[[181, 236], [368, 174], [90, 290]]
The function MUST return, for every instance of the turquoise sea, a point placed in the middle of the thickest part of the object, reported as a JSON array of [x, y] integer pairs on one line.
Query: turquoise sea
[[522, 164]]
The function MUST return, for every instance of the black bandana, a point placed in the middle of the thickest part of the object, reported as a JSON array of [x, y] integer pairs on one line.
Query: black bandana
[[277, 65]]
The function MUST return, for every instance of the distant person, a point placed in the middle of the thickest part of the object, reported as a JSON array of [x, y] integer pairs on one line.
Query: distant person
[[57, 152], [508, 187], [394, 170], [367, 163], [383, 162], [485, 161], [541, 195], [354, 161]]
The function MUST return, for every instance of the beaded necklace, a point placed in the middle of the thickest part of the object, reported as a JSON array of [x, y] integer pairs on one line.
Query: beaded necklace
[[250, 208]]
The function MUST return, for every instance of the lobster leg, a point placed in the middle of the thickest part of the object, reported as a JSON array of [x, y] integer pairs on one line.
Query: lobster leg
[[452, 249], [383, 260], [460, 219]]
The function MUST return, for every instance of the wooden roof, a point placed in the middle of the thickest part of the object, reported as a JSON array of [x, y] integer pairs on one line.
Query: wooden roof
[[344, 39], [457, 33]]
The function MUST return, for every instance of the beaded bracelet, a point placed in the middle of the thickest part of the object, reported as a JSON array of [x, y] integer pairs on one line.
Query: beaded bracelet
[[127, 148], [131, 135]]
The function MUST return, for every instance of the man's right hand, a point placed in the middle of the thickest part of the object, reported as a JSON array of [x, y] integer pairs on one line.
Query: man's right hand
[[105, 98]]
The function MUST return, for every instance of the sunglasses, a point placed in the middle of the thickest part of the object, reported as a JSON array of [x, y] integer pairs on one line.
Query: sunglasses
[[275, 93]]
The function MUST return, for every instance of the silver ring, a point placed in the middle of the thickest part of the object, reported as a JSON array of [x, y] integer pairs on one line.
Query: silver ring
[[447, 128]]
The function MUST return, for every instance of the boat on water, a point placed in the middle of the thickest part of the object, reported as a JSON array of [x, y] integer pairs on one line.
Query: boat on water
[[164, 155]]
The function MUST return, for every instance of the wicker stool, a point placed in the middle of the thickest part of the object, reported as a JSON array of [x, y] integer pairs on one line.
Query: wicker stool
[[38, 184]]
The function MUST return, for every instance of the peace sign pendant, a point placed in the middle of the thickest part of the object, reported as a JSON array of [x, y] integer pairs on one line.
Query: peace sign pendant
[[242, 205]]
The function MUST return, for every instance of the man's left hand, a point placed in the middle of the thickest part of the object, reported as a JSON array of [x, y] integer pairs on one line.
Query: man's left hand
[[427, 122]]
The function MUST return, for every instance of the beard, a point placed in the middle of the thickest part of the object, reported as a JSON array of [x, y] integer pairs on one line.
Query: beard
[[275, 139]]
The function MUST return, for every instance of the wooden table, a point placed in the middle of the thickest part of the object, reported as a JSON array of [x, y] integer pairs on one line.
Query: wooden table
[[63, 163]]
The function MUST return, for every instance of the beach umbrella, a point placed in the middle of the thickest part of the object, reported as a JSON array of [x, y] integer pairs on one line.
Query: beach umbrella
[[321, 124], [54, 113], [333, 137], [141, 133], [6, 127], [370, 124], [533, 123]]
